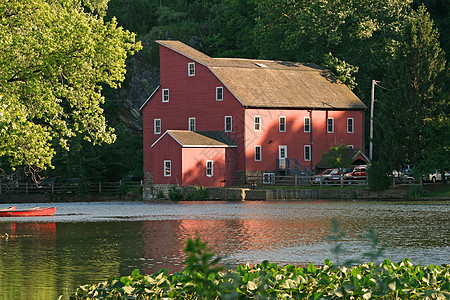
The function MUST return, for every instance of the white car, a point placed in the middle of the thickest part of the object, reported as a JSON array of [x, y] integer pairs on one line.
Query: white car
[[437, 176]]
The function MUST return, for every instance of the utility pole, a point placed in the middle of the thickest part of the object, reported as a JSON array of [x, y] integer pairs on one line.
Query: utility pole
[[372, 100]]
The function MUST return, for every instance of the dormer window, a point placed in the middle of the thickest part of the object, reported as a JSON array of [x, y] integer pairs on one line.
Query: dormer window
[[219, 93], [165, 95], [191, 69]]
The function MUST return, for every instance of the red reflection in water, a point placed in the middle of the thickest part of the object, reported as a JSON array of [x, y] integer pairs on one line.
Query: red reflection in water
[[165, 241], [45, 232]]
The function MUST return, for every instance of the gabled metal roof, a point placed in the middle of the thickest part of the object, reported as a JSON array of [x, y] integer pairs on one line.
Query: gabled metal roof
[[199, 139], [275, 84]]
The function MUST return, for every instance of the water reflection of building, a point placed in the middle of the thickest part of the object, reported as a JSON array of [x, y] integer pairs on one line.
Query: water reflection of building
[[164, 241]]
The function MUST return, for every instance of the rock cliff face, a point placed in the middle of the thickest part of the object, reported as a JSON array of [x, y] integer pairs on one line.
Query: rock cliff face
[[141, 80]]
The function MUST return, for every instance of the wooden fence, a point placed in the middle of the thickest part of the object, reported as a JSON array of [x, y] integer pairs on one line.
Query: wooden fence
[[272, 179], [67, 188]]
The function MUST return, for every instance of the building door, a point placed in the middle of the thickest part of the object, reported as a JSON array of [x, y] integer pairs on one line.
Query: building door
[[282, 155]]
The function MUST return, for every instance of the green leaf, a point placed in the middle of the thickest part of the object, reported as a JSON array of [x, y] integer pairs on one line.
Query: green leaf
[[311, 268]]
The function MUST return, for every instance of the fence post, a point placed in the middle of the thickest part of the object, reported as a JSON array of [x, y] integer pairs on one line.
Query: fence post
[[295, 182], [53, 187], [99, 187], [26, 187]]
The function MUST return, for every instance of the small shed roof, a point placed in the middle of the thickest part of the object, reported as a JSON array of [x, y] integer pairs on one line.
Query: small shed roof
[[354, 154], [275, 84], [200, 139]]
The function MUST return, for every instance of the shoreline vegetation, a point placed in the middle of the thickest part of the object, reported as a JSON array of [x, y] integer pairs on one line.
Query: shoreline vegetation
[[204, 278], [433, 192]]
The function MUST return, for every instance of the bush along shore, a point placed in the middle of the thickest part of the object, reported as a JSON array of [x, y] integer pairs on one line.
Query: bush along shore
[[203, 278]]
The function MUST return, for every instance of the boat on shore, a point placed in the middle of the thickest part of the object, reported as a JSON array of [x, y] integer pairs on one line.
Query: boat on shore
[[8, 209], [27, 212]]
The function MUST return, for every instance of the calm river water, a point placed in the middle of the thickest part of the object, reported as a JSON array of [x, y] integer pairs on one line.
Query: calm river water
[[43, 258]]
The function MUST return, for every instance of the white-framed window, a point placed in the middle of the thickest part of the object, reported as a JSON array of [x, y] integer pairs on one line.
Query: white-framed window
[[350, 125], [282, 124], [228, 124], [268, 178], [219, 93], [157, 126], [307, 152], [209, 168], [191, 69], [167, 168], [165, 95], [350, 147], [258, 153], [191, 124], [257, 123], [330, 125], [307, 124]]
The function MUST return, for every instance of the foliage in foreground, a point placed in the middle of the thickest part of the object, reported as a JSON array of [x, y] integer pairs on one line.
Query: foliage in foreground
[[203, 279]]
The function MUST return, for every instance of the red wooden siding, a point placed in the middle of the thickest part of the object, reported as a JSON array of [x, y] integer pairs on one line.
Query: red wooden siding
[[195, 96], [190, 96], [194, 166], [295, 138], [167, 149]]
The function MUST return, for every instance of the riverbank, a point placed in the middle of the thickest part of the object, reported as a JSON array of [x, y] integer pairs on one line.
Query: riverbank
[[436, 192]]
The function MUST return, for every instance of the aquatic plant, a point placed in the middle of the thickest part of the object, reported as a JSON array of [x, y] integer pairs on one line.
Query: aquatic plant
[[204, 279]]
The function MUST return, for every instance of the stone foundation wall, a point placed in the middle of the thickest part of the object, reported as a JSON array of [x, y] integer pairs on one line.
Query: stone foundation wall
[[147, 186], [157, 189], [241, 178], [232, 194]]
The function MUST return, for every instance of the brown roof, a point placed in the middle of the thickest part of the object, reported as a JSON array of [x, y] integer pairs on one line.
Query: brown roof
[[354, 154], [188, 138], [275, 84]]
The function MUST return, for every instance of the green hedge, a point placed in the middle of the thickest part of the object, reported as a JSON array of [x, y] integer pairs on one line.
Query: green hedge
[[204, 279]]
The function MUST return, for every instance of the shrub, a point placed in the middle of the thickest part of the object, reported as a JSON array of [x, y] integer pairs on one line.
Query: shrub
[[414, 191], [175, 194], [198, 193], [377, 178], [127, 189], [159, 194]]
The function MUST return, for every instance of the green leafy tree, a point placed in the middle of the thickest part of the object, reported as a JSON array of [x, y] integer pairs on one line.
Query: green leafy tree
[[440, 13], [138, 16], [412, 113], [339, 157], [353, 38], [230, 30], [55, 58]]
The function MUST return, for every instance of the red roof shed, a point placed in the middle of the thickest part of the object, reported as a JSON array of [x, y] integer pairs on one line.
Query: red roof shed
[[189, 158]]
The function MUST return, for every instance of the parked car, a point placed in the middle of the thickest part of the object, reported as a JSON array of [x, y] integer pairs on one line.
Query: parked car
[[358, 173], [47, 182], [130, 178], [401, 177], [329, 175], [433, 177]]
